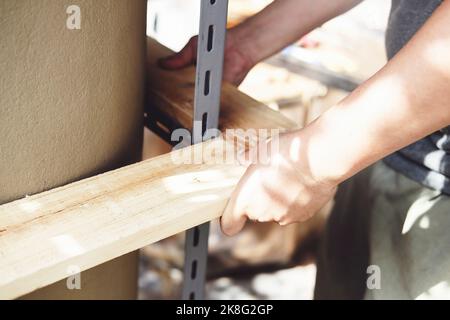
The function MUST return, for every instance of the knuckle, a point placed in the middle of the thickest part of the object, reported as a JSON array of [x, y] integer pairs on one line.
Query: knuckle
[[282, 216], [192, 40], [264, 219], [276, 219], [252, 216], [288, 219], [284, 222]]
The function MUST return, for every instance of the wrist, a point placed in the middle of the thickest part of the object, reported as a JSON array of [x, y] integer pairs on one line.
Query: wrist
[[241, 40], [310, 159]]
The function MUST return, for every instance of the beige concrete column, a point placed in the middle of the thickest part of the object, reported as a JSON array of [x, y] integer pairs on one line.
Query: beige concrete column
[[70, 107]]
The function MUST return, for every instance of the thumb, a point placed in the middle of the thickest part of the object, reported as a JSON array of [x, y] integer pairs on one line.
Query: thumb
[[184, 58]]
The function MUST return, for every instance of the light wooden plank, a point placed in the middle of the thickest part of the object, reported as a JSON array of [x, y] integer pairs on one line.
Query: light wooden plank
[[171, 94], [89, 222]]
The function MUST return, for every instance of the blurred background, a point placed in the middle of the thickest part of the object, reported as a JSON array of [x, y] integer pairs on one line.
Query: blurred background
[[267, 261]]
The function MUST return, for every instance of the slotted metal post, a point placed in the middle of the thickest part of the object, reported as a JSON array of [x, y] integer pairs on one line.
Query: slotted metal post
[[208, 82]]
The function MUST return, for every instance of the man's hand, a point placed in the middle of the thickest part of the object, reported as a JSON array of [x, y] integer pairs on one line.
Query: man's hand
[[236, 62], [282, 190], [279, 24], [386, 113]]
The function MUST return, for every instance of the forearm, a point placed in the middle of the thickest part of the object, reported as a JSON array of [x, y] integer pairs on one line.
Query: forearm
[[283, 22], [405, 101]]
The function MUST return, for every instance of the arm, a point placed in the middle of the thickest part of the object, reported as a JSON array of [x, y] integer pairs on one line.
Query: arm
[[276, 26], [405, 101], [283, 22]]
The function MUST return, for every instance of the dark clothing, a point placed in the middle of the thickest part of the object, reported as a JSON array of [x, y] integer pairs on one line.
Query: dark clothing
[[426, 161]]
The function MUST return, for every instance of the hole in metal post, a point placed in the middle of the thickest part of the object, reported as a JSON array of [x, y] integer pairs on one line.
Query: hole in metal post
[[192, 296], [207, 82], [209, 45], [194, 269], [204, 126], [212, 1], [155, 23], [196, 236]]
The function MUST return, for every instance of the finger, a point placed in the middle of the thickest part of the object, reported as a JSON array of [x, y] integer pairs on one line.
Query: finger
[[232, 221], [235, 215], [181, 59], [263, 208]]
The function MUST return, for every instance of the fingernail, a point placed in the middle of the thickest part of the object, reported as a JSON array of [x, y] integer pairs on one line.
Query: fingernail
[[227, 229], [223, 227], [224, 214]]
